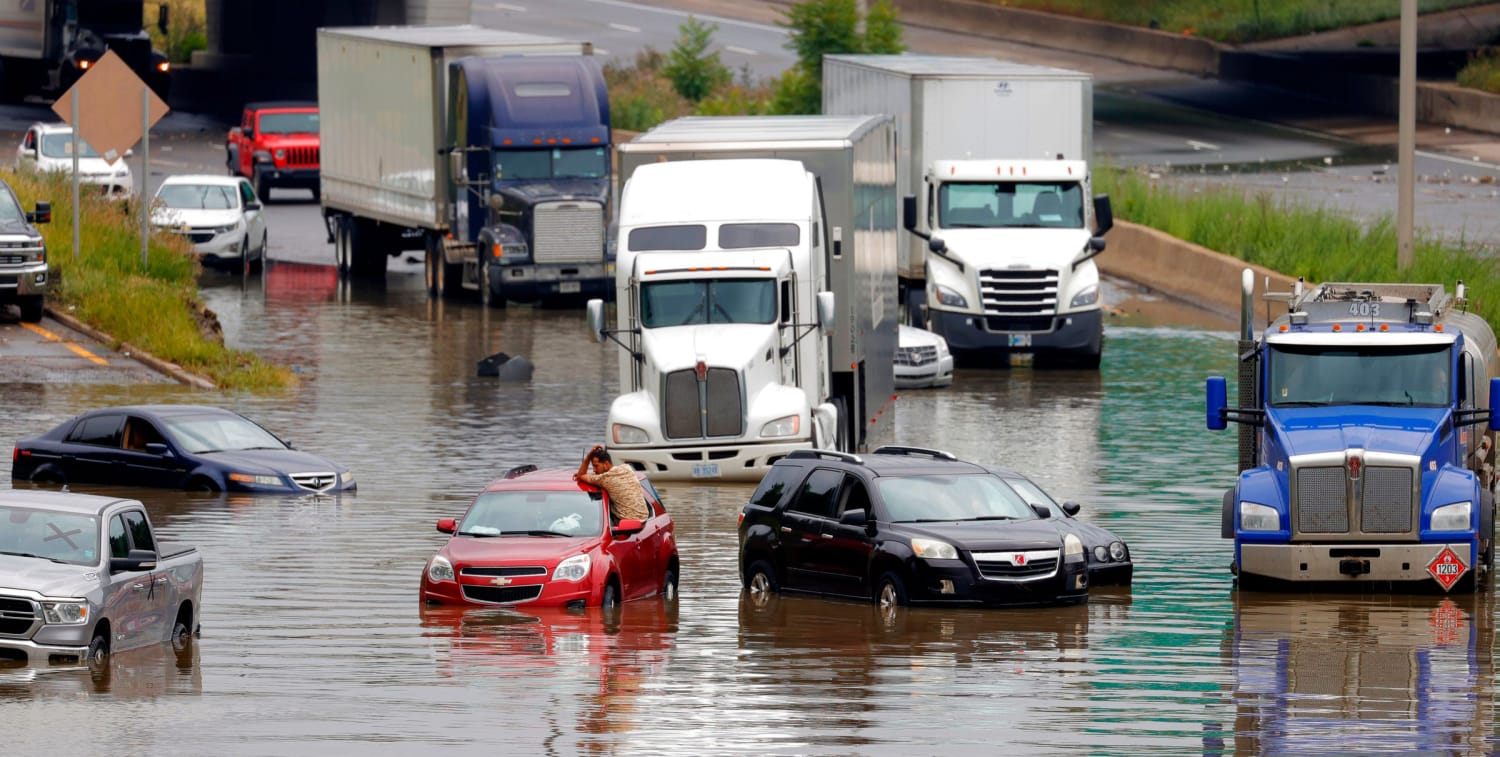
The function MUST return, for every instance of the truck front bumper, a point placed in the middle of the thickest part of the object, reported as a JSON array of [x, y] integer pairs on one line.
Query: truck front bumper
[[22, 281], [1348, 563], [45, 654], [729, 462], [299, 178], [529, 282], [1081, 333]]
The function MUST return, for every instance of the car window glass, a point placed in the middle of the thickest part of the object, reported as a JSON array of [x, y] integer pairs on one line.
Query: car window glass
[[962, 497], [780, 480], [818, 495], [853, 496], [575, 513], [140, 530], [103, 430], [119, 543], [30, 140], [652, 496], [216, 433], [66, 537], [60, 145], [10, 208], [139, 432], [246, 193], [1034, 495], [197, 197]]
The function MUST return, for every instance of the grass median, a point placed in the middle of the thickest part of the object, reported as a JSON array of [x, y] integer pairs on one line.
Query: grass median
[[156, 309], [1313, 242]]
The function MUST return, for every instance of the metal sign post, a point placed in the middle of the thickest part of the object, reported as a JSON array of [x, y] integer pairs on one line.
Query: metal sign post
[[1406, 135], [77, 222], [145, 169]]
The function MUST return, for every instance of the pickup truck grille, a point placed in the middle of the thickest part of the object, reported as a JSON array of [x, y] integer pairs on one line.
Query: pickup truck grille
[[302, 157], [17, 616], [1017, 566], [1384, 503], [315, 481], [1018, 293], [502, 594], [716, 410], [568, 232]]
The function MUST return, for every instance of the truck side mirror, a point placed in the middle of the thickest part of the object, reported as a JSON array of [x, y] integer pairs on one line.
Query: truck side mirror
[[1104, 215], [596, 319], [828, 314], [138, 559], [42, 214], [162, 17], [458, 168], [1218, 399], [909, 212], [936, 245], [1495, 404]]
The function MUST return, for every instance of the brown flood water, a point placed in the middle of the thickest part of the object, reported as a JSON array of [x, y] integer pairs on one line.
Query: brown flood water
[[314, 642]]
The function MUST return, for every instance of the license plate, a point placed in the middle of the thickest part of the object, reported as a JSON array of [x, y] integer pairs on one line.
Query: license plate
[[1020, 340], [706, 470], [568, 287]]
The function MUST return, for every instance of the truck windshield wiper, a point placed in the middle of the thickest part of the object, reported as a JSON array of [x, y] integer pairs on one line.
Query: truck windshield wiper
[[39, 557]]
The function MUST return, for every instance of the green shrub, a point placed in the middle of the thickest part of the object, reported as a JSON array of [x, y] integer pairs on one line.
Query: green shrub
[[1482, 71], [695, 72]]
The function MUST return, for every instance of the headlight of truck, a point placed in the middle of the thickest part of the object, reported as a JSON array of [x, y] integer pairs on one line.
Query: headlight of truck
[[280, 154], [1088, 296], [1254, 517], [575, 568], [932, 549], [786, 426], [513, 252], [1072, 548], [439, 569], [257, 480], [1454, 517], [627, 434], [66, 613], [951, 298]]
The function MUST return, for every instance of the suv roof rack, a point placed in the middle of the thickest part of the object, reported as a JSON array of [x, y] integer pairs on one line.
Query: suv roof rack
[[519, 470], [819, 454], [895, 449]]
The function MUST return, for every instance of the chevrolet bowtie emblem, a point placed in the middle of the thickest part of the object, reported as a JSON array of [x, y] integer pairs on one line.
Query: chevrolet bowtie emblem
[[500, 581]]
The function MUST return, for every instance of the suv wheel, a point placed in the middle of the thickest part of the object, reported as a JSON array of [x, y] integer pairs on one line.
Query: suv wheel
[[760, 578], [892, 593]]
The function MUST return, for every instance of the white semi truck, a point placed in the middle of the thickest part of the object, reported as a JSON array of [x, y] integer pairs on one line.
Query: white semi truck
[[993, 166], [756, 293]]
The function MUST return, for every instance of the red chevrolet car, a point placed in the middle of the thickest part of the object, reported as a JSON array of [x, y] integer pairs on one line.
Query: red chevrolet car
[[539, 537]]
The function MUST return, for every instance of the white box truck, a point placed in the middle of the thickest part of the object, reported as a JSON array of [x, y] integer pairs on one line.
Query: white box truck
[[993, 168], [756, 293]]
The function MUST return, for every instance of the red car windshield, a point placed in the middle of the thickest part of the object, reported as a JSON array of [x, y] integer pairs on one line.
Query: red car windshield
[[522, 513]]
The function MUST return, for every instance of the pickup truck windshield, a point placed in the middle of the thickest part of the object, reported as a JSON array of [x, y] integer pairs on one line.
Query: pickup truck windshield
[[519, 513], [1010, 205], [1416, 375], [912, 499], [289, 123], [61, 146], [49, 535], [556, 163], [687, 303], [10, 208], [216, 433]]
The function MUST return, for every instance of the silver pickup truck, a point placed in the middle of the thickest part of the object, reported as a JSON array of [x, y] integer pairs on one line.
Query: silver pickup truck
[[82, 576]]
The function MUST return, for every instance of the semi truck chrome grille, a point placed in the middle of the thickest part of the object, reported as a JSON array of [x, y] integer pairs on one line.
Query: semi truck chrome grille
[[1378, 502], [17, 616], [568, 232], [693, 409], [1018, 292], [1385, 507], [503, 594], [1322, 501]]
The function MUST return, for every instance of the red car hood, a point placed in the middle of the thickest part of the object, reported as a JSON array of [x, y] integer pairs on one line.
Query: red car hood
[[287, 140], [515, 550]]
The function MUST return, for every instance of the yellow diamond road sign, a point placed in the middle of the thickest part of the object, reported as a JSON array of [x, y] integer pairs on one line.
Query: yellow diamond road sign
[[109, 107]]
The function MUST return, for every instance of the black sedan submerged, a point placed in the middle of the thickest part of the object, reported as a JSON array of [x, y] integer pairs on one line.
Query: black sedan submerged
[[905, 525], [174, 447]]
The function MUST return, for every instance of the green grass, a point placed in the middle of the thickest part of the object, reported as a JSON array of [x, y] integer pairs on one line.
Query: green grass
[[1238, 21], [1316, 243], [156, 309], [1482, 71]]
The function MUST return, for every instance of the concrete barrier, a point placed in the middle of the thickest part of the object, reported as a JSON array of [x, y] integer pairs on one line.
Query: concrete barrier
[[1183, 270], [1452, 105]]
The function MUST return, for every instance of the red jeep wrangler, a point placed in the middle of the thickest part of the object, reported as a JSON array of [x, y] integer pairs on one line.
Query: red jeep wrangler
[[276, 145]]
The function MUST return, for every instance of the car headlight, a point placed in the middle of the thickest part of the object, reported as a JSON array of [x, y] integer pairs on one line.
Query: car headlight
[[575, 568], [932, 549], [1088, 296], [951, 298], [258, 480], [785, 426], [1254, 517], [225, 229], [66, 613], [1101, 553], [347, 477], [1117, 551], [439, 569], [1454, 517], [1072, 548], [627, 434]]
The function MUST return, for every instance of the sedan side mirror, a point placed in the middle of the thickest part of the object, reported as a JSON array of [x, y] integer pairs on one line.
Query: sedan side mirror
[[249, 206], [158, 449], [857, 517], [1071, 508], [1041, 511], [139, 559], [627, 527], [447, 525], [42, 214]]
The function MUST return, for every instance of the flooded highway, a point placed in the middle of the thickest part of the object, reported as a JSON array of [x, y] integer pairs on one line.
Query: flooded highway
[[314, 642]]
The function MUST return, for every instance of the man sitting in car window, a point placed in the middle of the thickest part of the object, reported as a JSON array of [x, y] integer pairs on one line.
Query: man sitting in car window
[[627, 500]]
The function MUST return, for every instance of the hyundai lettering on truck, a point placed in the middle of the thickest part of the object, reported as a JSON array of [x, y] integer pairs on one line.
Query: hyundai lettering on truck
[[1366, 439]]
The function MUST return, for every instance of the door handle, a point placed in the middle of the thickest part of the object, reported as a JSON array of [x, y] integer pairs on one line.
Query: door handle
[[138, 587], [161, 579], [786, 529], [827, 536]]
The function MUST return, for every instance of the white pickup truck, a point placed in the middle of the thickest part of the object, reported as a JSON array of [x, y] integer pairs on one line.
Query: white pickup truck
[[83, 576]]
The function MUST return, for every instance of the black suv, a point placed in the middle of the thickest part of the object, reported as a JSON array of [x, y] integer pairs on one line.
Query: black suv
[[901, 525]]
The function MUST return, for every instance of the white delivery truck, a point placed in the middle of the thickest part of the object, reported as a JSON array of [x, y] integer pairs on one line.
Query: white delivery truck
[[756, 293], [993, 166]]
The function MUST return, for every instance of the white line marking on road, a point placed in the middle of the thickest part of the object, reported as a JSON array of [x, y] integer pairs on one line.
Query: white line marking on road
[[1196, 145], [720, 20], [741, 50], [507, 7], [626, 28]]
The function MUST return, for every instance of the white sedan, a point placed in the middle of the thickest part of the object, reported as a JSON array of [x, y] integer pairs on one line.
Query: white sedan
[[922, 359], [220, 215], [49, 147]]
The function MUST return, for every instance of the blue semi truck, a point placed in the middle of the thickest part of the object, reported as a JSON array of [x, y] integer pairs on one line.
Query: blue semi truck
[[487, 150], [1366, 449]]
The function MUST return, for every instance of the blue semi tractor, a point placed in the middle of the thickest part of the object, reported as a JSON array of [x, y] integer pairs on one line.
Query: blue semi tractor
[[1366, 450], [487, 150]]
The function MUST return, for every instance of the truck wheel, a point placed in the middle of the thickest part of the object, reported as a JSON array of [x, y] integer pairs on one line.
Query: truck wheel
[[1226, 525], [433, 272], [341, 245], [262, 189], [98, 648], [366, 258], [32, 307]]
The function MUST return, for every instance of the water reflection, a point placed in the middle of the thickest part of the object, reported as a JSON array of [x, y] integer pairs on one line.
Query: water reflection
[[1335, 674], [146, 672]]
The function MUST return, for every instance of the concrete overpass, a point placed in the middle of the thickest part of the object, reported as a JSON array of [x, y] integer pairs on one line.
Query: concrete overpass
[[266, 50]]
